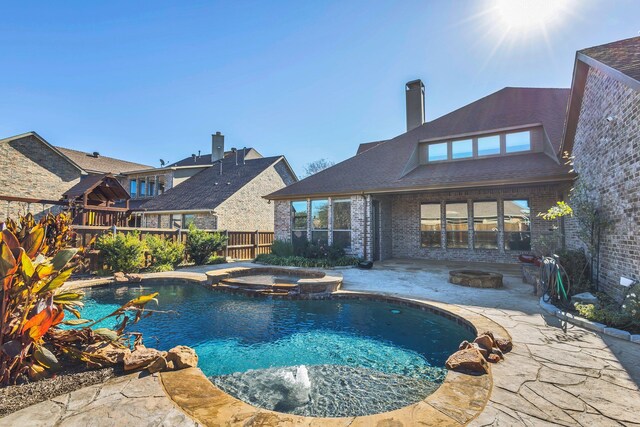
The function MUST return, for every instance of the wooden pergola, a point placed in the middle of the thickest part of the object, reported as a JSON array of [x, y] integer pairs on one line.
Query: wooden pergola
[[95, 197]]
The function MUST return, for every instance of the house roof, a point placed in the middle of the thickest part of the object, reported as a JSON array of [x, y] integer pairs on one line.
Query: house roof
[[383, 167], [103, 187], [208, 189], [621, 55], [367, 145], [619, 60], [205, 159], [100, 164]]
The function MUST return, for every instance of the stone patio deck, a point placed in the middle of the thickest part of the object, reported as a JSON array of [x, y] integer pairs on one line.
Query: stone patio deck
[[555, 375]]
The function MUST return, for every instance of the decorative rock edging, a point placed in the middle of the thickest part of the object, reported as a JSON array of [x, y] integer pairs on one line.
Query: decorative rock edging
[[588, 324]]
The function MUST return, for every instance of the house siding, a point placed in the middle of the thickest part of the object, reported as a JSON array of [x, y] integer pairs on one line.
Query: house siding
[[607, 160], [247, 209], [33, 170]]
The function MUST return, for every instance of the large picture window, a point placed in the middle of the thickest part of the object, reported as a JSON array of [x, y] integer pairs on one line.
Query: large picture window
[[299, 223], [341, 217], [457, 217], [485, 225], [517, 225], [430, 225], [320, 222]]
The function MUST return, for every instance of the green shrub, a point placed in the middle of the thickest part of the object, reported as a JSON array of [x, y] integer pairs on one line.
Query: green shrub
[[298, 261], [576, 265], [215, 259], [609, 315], [202, 244], [157, 268], [164, 251], [122, 252], [282, 248]]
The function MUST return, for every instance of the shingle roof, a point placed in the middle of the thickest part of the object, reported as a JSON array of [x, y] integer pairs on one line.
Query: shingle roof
[[383, 166], [205, 159], [368, 145], [101, 164], [622, 55], [207, 189]]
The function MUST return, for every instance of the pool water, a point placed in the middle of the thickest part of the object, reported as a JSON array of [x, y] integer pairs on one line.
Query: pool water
[[314, 357]]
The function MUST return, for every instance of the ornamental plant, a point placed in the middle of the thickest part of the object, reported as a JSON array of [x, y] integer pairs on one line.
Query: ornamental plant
[[165, 253], [631, 304], [122, 251], [202, 244], [35, 262]]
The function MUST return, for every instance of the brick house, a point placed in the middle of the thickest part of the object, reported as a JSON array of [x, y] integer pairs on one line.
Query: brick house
[[603, 137], [465, 186], [219, 191], [32, 168]]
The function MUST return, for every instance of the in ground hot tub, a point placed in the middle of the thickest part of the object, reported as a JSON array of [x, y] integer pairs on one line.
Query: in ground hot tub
[[274, 281]]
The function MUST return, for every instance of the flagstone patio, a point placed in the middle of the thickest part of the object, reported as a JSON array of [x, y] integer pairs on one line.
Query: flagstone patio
[[557, 374]]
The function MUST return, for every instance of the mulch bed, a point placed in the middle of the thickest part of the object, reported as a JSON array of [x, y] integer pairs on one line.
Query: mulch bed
[[16, 397]]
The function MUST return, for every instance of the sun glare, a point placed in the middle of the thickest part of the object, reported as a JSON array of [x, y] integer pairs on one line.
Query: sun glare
[[526, 16]]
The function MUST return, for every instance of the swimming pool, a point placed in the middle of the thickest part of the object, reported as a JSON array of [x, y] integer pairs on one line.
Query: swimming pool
[[308, 357]]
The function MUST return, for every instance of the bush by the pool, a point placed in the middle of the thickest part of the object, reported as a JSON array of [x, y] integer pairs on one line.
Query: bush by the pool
[[306, 254]]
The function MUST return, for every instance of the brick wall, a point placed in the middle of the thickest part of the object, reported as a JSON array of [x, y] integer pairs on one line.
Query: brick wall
[[31, 169], [607, 159], [247, 209], [405, 210]]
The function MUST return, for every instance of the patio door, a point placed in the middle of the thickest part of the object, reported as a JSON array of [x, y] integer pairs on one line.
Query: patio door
[[375, 223]]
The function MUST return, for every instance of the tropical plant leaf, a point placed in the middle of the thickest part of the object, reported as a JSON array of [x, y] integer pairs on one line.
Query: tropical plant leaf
[[106, 333], [27, 267], [74, 322], [62, 258], [10, 239], [39, 324], [36, 372], [57, 281], [33, 242], [8, 263], [144, 299], [67, 297], [46, 358]]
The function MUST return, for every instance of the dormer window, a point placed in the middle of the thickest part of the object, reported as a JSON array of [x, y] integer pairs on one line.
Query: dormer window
[[438, 152], [462, 149], [489, 145], [518, 141]]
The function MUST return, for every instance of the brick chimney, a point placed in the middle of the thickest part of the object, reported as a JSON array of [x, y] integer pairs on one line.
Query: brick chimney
[[217, 146], [415, 104]]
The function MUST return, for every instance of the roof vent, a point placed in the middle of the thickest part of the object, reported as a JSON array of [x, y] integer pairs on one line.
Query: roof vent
[[95, 154]]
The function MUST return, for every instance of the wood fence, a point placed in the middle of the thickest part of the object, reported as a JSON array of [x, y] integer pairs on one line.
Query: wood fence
[[241, 245]]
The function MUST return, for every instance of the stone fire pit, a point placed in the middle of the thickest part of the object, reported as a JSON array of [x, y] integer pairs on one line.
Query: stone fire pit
[[475, 278]]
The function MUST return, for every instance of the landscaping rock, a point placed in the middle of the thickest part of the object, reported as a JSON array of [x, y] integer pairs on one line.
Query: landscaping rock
[[120, 277], [161, 365], [133, 278], [485, 342], [183, 357], [469, 360], [111, 353], [505, 345], [585, 298], [141, 358], [493, 358]]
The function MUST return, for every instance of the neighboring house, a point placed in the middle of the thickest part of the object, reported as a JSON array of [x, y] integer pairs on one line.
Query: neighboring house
[[465, 186], [32, 168], [218, 191], [603, 136]]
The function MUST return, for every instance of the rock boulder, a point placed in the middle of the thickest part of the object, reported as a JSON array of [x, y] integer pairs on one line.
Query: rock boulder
[[182, 357], [469, 360]]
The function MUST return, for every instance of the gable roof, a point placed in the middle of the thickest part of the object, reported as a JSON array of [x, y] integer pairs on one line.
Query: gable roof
[[46, 144], [100, 164], [208, 188], [205, 159], [619, 60], [106, 183], [382, 168]]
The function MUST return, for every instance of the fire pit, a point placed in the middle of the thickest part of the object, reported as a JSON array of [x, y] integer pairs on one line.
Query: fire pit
[[475, 278]]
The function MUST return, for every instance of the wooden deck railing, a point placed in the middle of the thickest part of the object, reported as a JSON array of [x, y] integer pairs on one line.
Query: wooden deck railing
[[241, 245]]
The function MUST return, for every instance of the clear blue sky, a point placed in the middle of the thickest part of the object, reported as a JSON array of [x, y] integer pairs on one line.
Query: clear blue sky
[[308, 79]]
